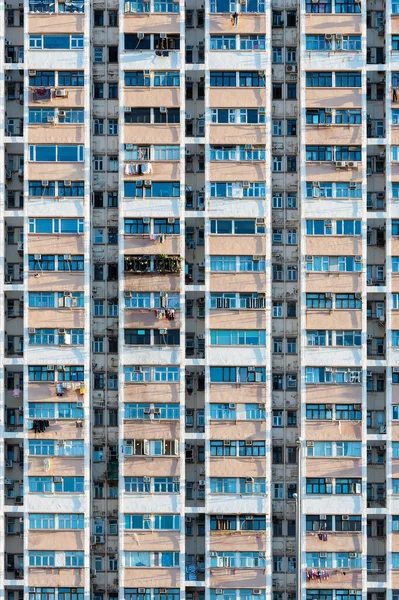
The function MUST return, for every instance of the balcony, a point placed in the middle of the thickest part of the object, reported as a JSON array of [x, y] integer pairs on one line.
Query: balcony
[[160, 264]]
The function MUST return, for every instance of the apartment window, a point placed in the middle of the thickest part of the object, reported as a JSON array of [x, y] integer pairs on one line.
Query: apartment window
[[277, 564], [291, 126], [291, 164], [277, 127], [112, 126], [98, 54], [318, 79], [277, 527], [99, 381], [98, 488], [348, 79], [277, 91], [277, 19], [98, 18], [290, 55], [277, 164], [291, 91], [113, 90], [113, 18], [277, 54], [112, 199], [112, 54], [277, 455], [223, 79], [98, 126], [98, 91]]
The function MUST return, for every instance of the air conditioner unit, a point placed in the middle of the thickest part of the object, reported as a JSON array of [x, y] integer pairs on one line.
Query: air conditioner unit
[[323, 517], [291, 68], [256, 592], [352, 185], [245, 185], [140, 35], [67, 257], [61, 93], [162, 109], [328, 37], [171, 220], [31, 330], [249, 480], [310, 444], [201, 336], [32, 72], [67, 183], [163, 36], [328, 295], [146, 479], [358, 258], [37, 256], [147, 183], [262, 110], [79, 404], [8, 464], [345, 517], [8, 481], [256, 258], [99, 539], [352, 554], [380, 195], [352, 164], [260, 221], [51, 120], [219, 591], [61, 331], [57, 479], [339, 37], [322, 554], [309, 257], [340, 164]]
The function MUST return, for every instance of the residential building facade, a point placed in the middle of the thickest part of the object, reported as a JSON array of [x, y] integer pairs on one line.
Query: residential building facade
[[199, 347]]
